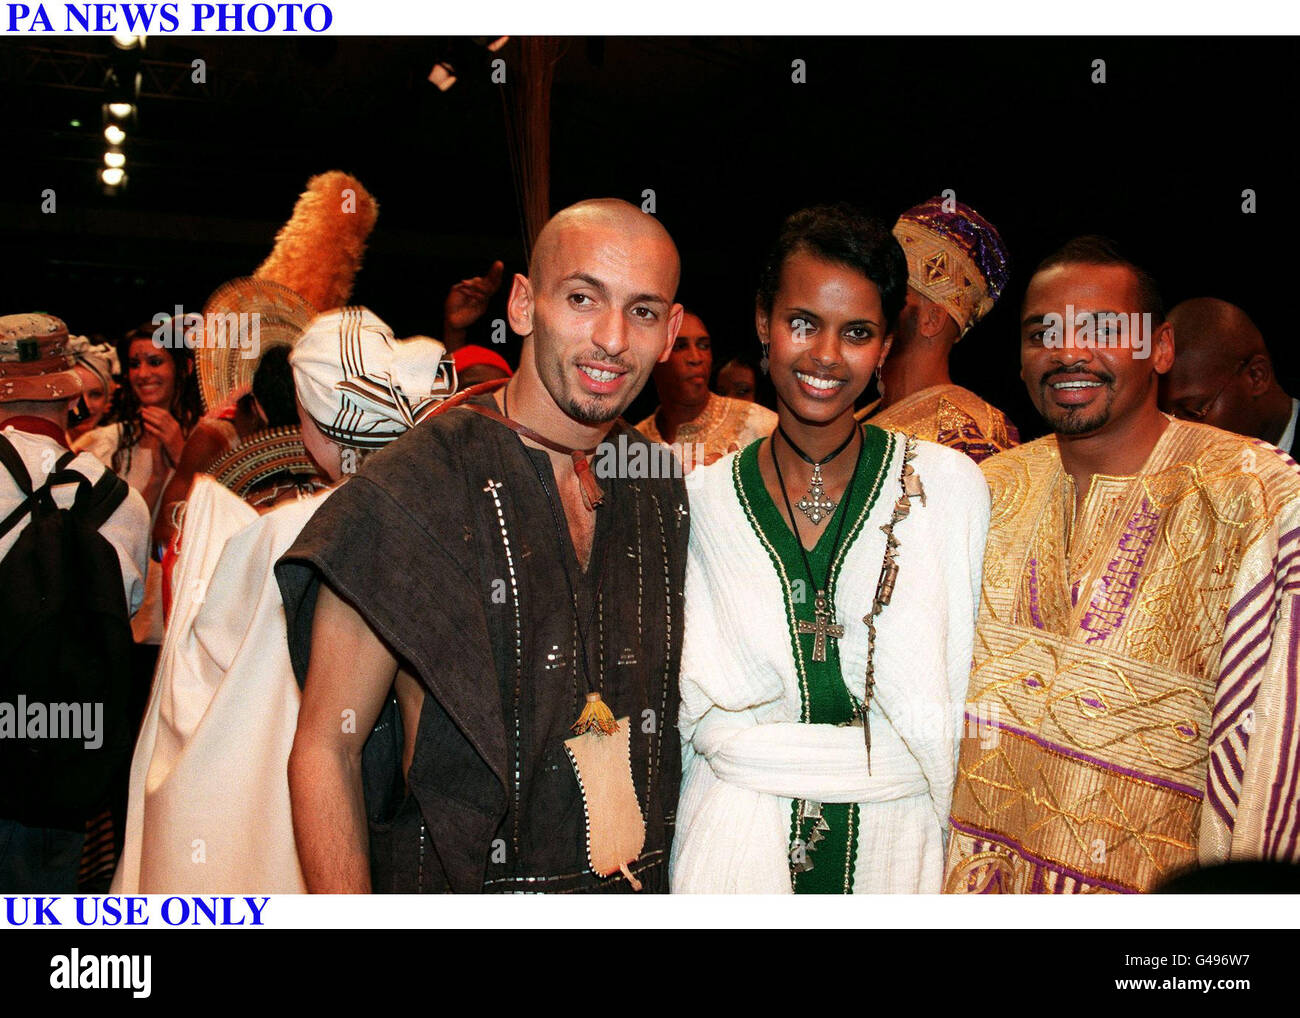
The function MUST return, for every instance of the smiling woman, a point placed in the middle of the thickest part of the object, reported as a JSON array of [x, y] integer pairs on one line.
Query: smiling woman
[[159, 408], [818, 720]]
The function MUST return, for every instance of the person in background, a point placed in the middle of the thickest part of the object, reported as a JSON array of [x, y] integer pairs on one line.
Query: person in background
[[1223, 375], [466, 303], [212, 759], [98, 366], [703, 425], [270, 404], [475, 364], [38, 386], [159, 408], [738, 379], [956, 269]]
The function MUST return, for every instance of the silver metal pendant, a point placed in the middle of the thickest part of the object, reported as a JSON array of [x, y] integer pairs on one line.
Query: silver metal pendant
[[815, 505]]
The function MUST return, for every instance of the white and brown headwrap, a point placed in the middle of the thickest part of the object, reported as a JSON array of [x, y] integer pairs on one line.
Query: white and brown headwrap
[[361, 386], [98, 358]]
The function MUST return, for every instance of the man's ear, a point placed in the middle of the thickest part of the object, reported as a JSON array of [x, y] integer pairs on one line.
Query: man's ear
[[1162, 347], [519, 306], [1259, 374], [674, 324], [932, 318]]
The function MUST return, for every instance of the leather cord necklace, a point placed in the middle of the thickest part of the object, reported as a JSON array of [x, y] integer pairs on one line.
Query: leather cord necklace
[[592, 496]]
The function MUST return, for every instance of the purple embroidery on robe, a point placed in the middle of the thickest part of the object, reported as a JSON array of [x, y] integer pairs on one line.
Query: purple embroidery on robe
[[1034, 616], [1114, 591]]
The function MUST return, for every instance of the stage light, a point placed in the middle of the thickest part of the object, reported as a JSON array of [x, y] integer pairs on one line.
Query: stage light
[[121, 110], [112, 176], [443, 75], [127, 40], [74, 123], [114, 134], [114, 160]]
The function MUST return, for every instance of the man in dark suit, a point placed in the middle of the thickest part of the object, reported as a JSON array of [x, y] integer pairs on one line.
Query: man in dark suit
[[1223, 375]]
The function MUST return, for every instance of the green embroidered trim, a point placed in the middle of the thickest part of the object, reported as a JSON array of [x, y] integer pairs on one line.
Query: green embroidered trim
[[769, 525], [750, 453]]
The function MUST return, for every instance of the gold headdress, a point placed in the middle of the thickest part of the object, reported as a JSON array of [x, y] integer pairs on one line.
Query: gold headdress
[[310, 270]]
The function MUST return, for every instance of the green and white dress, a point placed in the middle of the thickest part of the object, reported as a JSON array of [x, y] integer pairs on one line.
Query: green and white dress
[[768, 744]]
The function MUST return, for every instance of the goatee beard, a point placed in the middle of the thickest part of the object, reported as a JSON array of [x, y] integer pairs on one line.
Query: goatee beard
[[1070, 423], [592, 415]]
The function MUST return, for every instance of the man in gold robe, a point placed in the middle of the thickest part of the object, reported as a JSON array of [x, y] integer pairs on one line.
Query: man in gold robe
[[956, 269], [1132, 712]]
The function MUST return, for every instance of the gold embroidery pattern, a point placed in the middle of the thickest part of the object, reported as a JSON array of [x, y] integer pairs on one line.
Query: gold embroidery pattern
[[1102, 702], [948, 415], [725, 425]]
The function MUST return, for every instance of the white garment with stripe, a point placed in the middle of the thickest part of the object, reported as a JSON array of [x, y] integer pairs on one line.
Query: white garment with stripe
[[746, 755]]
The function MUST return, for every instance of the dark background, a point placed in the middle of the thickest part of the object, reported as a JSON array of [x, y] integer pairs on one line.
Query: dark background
[[1157, 157]]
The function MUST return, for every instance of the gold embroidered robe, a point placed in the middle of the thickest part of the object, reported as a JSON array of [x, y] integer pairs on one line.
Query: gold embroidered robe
[[1132, 711], [726, 425], [951, 416]]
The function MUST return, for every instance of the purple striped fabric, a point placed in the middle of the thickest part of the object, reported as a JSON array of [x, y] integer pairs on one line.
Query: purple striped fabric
[[1283, 804], [1041, 866], [1219, 790]]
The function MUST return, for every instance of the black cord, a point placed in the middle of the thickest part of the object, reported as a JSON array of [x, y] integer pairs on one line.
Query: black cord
[[839, 532], [808, 459]]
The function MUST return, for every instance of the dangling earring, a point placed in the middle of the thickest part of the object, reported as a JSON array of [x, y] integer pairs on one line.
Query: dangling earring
[[764, 362]]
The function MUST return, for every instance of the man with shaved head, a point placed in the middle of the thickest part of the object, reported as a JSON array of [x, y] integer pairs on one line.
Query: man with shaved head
[[1223, 375], [515, 619]]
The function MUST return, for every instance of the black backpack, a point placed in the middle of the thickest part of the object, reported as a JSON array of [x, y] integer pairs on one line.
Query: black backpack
[[65, 642]]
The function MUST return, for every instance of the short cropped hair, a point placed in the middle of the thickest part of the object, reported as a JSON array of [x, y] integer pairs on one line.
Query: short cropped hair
[[1093, 249], [273, 388], [848, 236]]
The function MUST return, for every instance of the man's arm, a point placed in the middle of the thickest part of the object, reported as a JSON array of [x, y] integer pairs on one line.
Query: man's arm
[[348, 678]]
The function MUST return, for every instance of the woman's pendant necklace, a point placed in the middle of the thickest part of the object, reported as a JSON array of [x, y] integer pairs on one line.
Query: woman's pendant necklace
[[823, 626], [814, 504]]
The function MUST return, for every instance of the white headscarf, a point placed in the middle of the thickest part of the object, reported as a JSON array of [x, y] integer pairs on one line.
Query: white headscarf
[[360, 385], [100, 358]]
